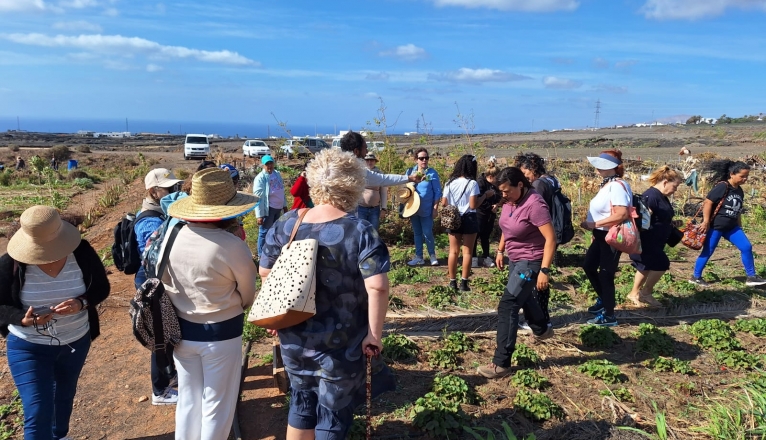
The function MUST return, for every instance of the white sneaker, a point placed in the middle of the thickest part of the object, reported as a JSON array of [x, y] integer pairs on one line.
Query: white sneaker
[[434, 261], [169, 397], [475, 262], [417, 261], [488, 262]]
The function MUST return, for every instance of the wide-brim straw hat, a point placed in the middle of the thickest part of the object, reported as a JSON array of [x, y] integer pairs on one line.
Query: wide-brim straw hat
[[410, 198], [43, 237], [213, 198]]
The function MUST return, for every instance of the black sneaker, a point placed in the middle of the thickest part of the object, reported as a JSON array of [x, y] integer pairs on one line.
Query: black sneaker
[[702, 283], [464, 286], [596, 308], [603, 320], [755, 281], [453, 284]]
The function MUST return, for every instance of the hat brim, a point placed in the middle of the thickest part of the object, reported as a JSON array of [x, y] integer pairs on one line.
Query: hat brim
[[23, 249], [170, 183], [412, 203], [602, 164], [186, 209]]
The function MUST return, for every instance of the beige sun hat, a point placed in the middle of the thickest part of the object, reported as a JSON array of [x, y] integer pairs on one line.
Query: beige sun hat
[[213, 198], [43, 237], [409, 197]]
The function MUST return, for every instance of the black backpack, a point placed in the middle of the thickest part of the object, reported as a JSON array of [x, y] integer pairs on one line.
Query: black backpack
[[125, 247], [561, 213]]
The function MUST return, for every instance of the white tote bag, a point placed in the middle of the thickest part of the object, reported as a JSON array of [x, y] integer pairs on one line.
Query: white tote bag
[[287, 295]]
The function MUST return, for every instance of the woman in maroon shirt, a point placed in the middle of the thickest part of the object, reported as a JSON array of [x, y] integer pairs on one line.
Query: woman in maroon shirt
[[529, 241]]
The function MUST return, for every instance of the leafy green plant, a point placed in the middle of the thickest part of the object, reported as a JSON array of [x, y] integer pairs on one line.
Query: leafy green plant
[[560, 297], [440, 297], [438, 413], [398, 347], [530, 379], [253, 333], [537, 406], [452, 388], [756, 326], [714, 334], [525, 357], [459, 342], [596, 336], [442, 358], [622, 394], [653, 340], [604, 370], [673, 365], [738, 414], [738, 360]]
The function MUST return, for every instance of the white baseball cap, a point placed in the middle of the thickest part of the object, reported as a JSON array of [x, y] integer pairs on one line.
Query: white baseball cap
[[162, 177]]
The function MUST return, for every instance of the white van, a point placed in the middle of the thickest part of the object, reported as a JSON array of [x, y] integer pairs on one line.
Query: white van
[[196, 146]]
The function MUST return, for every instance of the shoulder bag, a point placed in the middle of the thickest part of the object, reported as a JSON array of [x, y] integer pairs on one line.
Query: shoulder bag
[[450, 215], [287, 296], [624, 236], [693, 237]]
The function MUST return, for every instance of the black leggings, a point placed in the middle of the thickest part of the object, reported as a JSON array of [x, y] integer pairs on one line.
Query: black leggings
[[600, 266], [486, 226]]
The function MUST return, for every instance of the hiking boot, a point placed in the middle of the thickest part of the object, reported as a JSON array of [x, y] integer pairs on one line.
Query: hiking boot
[[169, 397], [755, 281], [475, 262], [417, 261], [453, 284], [700, 282], [603, 320], [537, 339], [488, 262], [434, 261], [596, 308], [464, 285], [492, 371]]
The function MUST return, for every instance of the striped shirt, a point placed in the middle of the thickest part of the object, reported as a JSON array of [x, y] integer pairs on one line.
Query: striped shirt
[[41, 289]]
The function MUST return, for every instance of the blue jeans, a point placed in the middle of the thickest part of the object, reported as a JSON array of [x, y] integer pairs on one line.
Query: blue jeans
[[46, 377], [372, 215], [737, 237], [268, 222], [423, 227]]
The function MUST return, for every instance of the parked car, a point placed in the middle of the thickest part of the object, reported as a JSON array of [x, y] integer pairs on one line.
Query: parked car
[[375, 146], [315, 145], [336, 142], [196, 146], [294, 148], [255, 148]]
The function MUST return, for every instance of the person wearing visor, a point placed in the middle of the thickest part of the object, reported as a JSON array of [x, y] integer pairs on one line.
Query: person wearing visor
[[158, 183], [609, 207], [269, 191]]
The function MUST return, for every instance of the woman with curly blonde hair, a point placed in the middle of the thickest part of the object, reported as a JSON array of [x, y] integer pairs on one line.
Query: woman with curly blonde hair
[[325, 355]]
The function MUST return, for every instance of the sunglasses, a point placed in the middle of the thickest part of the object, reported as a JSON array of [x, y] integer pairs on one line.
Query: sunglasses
[[423, 158]]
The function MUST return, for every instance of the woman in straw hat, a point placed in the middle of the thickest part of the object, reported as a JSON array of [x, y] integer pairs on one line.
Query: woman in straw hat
[[325, 355], [50, 283], [210, 280]]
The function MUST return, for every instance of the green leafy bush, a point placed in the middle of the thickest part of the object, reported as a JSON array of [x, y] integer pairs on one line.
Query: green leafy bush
[[524, 356], [438, 413], [61, 153], [672, 365], [714, 334], [604, 370], [442, 358], [440, 297], [459, 342], [398, 347], [537, 406], [738, 360], [5, 177], [452, 388], [653, 340], [596, 336], [530, 379], [83, 182], [755, 326]]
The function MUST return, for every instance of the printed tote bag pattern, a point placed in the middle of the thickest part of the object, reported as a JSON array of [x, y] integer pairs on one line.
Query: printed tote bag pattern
[[450, 215], [625, 237], [287, 296], [694, 238]]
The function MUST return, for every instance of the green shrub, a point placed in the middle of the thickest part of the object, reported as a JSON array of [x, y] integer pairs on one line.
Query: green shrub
[[530, 379], [714, 334], [755, 326], [438, 413], [13, 148], [399, 348], [537, 406], [524, 356], [654, 341], [83, 149], [604, 370], [738, 360], [83, 182], [459, 342], [452, 388], [61, 153], [440, 297], [442, 358], [673, 365], [6, 177], [596, 336]]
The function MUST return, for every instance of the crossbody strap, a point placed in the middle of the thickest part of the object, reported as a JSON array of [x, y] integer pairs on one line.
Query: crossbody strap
[[717, 208], [297, 225], [464, 189], [166, 252]]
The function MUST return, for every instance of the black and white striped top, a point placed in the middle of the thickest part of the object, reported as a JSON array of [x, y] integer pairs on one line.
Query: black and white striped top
[[40, 289]]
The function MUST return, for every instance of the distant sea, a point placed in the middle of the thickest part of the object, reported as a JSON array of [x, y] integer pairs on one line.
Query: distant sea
[[225, 129]]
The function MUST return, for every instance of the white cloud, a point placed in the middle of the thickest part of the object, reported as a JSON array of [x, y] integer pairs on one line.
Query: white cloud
[[80, 25], [22, 5], [467, 75], [514, 5], [377, 76], [117, 44], [600, 63], [695, 9], [153, 68], [407, 52], [552, 82]]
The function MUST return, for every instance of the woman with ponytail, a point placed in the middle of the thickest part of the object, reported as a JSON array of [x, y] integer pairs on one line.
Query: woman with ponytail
[[722, 218]]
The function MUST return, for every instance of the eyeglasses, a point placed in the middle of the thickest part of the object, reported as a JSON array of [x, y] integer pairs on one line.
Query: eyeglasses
[[423, 158]]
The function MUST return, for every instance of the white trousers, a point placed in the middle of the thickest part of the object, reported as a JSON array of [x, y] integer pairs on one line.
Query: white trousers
[[208, 386]]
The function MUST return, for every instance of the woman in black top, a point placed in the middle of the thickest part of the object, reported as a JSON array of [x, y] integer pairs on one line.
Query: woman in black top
[[533, 167], [652, 262], [727, 223]]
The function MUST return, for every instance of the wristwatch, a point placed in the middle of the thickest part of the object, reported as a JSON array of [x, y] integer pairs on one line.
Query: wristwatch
[[84, 302], [545, 270]]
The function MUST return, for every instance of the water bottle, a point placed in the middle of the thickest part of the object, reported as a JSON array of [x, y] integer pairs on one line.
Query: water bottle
[[527, 275]]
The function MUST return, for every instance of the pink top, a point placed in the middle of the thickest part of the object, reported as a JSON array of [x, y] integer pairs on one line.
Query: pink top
[[520, 225]]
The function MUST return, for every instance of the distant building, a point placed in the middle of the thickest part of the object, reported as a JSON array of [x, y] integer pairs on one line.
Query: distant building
[[113, 134]]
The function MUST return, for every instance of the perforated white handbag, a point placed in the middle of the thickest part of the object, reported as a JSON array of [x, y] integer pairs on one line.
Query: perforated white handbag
[[287, 295]]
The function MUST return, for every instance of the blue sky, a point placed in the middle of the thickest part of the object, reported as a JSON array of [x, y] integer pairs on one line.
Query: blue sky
[[514, 65]]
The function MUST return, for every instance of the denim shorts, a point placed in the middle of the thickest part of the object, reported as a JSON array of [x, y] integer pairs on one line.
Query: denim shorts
[[306, 413], [469, 224]]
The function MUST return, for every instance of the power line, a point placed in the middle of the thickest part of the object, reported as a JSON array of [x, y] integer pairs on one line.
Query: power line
[[598, 112]]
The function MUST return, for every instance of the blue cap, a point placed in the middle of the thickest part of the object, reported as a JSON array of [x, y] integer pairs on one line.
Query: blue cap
[[230, 168], [266, 159]]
